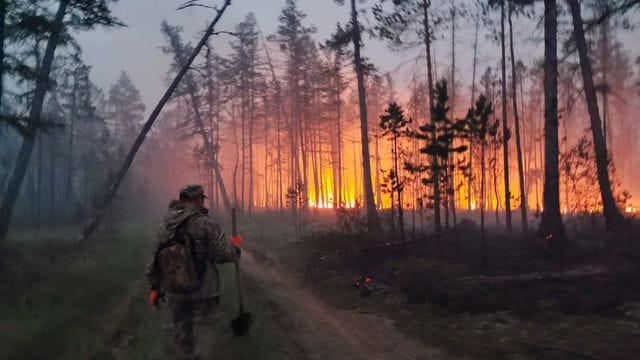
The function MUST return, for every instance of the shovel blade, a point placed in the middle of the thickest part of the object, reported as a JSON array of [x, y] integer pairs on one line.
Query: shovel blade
[[241, 324]]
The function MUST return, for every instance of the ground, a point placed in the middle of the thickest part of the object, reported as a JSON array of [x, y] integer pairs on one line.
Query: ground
[[89, 301]]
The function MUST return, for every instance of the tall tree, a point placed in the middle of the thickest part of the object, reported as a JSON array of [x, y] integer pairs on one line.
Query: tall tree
[[85, 15], [353, 34], [506, 133], [516, 118], [3, 12], [612, 214], [394, 124], [281, 115], [245, 68], [551, 227], [479, 126], [407, 19], [125, 109], [293, 37], [190, 90], [372, 215]]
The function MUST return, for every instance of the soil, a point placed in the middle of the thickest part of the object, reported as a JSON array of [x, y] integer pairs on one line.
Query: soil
[[320, 331]]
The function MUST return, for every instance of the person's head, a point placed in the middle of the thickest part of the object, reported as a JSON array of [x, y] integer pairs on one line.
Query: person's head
[[192, 196]]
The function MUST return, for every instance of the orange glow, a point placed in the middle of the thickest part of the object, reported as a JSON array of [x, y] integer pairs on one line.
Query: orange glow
[[331, 173]]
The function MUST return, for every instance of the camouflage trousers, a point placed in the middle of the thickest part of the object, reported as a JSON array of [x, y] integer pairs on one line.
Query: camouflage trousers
[[194, 321]]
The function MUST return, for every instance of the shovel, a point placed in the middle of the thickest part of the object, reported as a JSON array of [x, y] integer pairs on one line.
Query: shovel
[[239, 325]]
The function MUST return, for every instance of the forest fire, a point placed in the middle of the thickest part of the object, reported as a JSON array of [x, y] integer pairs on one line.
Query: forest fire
[[473, 164]]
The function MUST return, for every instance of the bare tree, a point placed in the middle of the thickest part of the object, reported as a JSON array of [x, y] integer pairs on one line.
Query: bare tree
[[551, 227], [612, 214], [516, 117]]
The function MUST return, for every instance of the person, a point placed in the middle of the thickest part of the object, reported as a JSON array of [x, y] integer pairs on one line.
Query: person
[[193, 312]]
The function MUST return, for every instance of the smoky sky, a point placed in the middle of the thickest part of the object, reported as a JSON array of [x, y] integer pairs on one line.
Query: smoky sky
[[136, 48]]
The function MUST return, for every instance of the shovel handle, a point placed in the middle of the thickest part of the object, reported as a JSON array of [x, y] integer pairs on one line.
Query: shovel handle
[[240, 301], [234, 232]]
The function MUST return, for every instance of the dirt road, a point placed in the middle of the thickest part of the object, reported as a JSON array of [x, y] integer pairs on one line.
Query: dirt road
[[314, 330], [290, 322]]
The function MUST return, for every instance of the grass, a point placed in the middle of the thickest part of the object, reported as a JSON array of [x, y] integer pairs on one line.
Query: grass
[[58, 300], [61, 301]]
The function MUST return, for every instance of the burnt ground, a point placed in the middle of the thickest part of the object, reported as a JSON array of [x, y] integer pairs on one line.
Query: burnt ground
[[524, 303]]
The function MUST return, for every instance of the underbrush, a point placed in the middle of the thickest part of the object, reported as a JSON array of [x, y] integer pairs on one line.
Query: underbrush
[[57, 298], [440, 284]]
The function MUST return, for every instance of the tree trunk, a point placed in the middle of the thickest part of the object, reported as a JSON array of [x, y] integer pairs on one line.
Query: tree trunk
[[605, 82], [251, 124], [514, 90], [70, 148], [39, 183], [3, 10], [612, 215], [373, 222], [435, 178], [473, 101], [339, 189], [452, 156], [505, 127], [243, 147], [551, 227], [90, 228], [482, 201], [52, 180], [22, 163]]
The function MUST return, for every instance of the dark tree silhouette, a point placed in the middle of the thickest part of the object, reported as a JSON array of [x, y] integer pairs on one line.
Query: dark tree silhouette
[[612, 215], [551, 227]]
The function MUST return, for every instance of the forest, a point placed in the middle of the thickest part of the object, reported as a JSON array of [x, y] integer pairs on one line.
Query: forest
[[412, 178]]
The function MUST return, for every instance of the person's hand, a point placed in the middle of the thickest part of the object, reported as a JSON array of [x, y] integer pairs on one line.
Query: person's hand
[[237, 240], [154, 298]]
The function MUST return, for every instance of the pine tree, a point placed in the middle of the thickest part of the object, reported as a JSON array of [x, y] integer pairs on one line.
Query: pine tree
[[292, 36], [479, 126], [125, 110], [245, 71], [394, 125], [81, 15], [441, 135], [411, 22]]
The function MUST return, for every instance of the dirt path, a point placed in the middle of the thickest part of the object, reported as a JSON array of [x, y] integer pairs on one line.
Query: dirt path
[[290, 322], [314, 330]]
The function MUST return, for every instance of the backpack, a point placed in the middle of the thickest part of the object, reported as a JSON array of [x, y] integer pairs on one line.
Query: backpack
[[175, 263]]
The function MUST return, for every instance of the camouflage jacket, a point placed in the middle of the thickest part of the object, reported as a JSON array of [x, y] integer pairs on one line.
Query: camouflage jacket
[[208, 242]]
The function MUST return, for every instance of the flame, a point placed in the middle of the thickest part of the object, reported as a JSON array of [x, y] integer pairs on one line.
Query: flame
[[332, 180]]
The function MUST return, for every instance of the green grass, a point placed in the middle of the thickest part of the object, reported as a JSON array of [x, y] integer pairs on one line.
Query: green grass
[[58, 300], [61, 301]]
